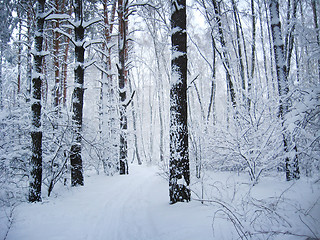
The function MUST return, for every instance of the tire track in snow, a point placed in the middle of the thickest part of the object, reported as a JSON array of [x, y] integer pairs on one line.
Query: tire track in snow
[[125, 213]]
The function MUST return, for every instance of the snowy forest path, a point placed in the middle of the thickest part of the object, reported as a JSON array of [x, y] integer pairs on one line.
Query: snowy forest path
[[127, 207]]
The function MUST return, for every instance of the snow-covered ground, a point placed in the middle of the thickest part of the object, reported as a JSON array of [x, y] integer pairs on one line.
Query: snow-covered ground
[[119, 207], [136, 207]]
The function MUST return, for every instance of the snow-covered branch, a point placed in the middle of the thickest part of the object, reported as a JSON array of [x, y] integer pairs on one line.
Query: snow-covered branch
[[56, 16], [91, 22]]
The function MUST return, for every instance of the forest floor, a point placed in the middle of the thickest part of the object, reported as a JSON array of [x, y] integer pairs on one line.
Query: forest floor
[[136, 207]]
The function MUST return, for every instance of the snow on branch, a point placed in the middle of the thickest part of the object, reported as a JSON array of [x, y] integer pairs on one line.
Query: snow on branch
[[58, 17], [66, 34], [103, 53], [88, 64], [94, 41], [67, 26], [92, 21], [177, 6], [37, 75], [101, 68], [144, 3], [177, 54], [175, 30], [39, 53], [72, 23], [46, 14]]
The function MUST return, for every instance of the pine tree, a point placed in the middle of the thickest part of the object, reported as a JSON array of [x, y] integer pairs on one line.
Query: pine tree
[[36, 132], [179, 179], [77, 96], [122, 72]]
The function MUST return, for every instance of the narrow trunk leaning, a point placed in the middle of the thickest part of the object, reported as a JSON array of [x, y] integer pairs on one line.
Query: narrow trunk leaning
[[290, 150], [35, 180], [179, 179]]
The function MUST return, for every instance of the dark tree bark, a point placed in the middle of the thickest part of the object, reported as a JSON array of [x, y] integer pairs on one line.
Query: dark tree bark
[[289, 39], [77, 96], [29, 56], [64, 68], [1, 82], [226, 64], [292, 167], [212, 105], [316, 26], [179, 157], [263, 47], [122, 75], [56, 60], [36, 132], [253, 53], [19, 52], [240, 55]]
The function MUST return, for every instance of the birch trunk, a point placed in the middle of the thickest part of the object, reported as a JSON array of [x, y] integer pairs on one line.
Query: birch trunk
[[290, 150]]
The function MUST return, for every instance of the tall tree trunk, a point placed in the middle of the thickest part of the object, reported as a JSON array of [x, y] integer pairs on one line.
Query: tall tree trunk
[[77, 97], [134, 121], [179, 178], [316, 26], [253, 53], [19, 51], [240, 55], [292, 167], [107, 93], [113, 97], [226, 64], [56, 61], [36, 132], [29, 56], [212, 104], [44, 90], [263, 49], [64, 68], [151, 137], [1, 82], [153, 28], [122, 12], [289, 40], [161, 145], [273, 74]]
